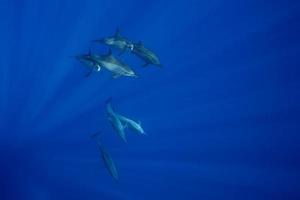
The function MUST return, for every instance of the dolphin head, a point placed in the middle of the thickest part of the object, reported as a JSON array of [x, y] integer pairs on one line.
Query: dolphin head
[[80, 57], [141, 130], [131, 73], [84, 59], [109, 41]]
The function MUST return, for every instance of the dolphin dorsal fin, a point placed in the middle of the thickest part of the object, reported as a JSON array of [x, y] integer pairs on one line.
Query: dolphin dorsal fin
[[117, 33]]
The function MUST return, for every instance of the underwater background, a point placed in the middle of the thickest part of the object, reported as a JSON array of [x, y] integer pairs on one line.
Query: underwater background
[[222, 115]]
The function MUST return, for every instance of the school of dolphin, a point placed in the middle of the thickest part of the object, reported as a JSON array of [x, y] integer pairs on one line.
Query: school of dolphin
[[97, 62], [118, 68]]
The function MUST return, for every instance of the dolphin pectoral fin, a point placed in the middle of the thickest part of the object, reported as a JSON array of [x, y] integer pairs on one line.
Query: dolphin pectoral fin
[[145, 65], [94, 135], [116, 76], [89, 73]]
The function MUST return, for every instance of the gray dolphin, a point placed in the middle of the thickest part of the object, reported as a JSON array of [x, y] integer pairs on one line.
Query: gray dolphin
[[115, 120], [146, 54], [108, 61], [117, 67], [108, 161], [136, 126], [117, 41]]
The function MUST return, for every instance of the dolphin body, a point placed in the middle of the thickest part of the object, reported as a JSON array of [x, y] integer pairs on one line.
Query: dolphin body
[[109, 62], [115, 120], [136, 126], [117, 67], [145, 54], [108, 161], [117, 41]]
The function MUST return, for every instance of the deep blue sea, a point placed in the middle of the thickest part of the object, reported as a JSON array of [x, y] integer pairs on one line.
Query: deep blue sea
[[222, 116]]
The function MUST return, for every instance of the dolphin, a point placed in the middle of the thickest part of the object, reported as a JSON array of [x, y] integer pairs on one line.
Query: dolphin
[[89, 61], [117, 41], [136, 126], [146, 54], [108, 161], [115, 121], [117, 67]]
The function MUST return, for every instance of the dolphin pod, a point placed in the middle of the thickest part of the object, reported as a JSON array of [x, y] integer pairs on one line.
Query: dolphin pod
[[96, 62], [119, 124], [137, 48]]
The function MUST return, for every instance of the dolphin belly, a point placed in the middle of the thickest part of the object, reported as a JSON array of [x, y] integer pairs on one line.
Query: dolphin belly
[[115, 68]]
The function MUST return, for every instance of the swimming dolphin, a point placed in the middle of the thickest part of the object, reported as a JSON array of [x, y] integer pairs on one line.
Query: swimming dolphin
[[117, 41], [89, 61], [136, 126], [115, 120], [108, 162], [147, 55], [117, 67]]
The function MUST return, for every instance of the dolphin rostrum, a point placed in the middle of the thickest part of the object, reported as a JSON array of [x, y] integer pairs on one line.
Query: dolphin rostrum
[[108, 162], [115, 120], [117, 41]]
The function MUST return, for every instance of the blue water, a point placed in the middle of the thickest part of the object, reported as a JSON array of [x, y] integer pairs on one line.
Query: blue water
[[222, 116]]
